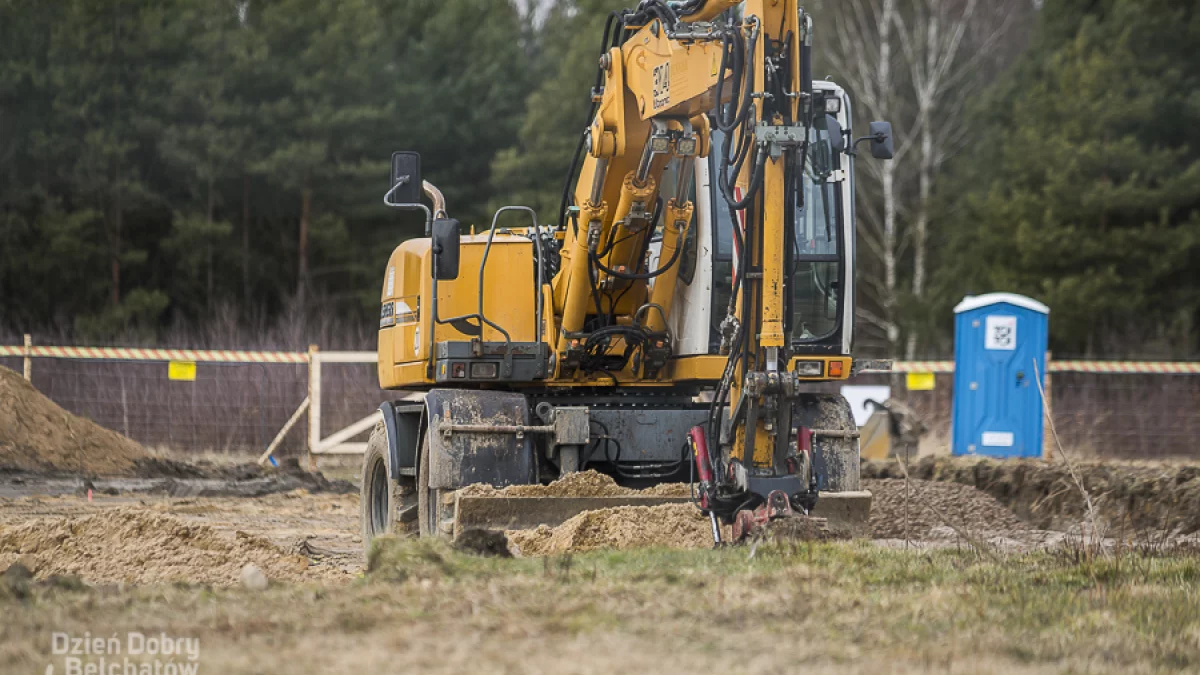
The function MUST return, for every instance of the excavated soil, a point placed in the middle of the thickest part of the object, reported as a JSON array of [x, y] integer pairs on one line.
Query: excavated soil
[[1128, 497], [38, 435], [622, 527], [132, 545], [938, 510], [47, 450], [582, 484]]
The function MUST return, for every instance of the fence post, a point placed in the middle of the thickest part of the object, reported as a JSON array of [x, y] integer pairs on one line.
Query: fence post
[[1047, 414], [28, 358], [314, 404]]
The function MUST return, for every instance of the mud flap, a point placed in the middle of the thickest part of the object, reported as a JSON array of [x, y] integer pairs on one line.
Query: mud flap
[[460, 458], [403, 425]]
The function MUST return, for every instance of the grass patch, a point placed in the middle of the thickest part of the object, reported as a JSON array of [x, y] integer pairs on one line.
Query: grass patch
[[840, 606]]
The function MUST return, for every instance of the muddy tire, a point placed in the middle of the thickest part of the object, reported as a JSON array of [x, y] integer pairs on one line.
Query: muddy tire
[[834, 459], [384, 504], [841, 454], [431, 513]]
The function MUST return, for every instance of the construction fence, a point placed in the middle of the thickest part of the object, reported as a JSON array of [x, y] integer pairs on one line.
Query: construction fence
[[220, 401]]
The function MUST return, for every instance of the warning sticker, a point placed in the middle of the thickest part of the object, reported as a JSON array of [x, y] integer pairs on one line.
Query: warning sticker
[[184, 371], [1000, 333], [920, 381]]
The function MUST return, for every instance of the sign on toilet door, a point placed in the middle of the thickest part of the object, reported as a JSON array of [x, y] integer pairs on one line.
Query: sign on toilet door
[[1000, 333]]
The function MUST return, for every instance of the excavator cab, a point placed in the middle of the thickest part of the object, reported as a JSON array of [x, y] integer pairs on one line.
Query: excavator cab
[[820, 273]]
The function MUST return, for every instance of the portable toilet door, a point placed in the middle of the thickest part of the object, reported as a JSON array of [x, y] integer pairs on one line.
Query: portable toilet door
[[998, 338]]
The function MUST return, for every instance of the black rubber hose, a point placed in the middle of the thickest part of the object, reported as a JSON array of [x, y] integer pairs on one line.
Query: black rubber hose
[[647, 275], [756, 179], [728, 46]]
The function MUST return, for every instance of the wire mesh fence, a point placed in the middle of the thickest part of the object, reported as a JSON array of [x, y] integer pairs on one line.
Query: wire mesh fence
[[238, 408], [1103, 415], [228, 408], [1138, 416]]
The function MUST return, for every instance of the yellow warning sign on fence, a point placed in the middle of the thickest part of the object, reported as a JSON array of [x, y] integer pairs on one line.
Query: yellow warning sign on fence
[[182, 370], [920, 381]]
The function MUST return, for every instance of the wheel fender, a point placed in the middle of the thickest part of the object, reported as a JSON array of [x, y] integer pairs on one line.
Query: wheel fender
[[460, 458], [403, 426]]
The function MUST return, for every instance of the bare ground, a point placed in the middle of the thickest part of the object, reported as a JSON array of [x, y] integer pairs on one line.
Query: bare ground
[[836, 607], [321, 529]]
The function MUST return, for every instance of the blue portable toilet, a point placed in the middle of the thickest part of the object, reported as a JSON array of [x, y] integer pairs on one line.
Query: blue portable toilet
[[997, 407]]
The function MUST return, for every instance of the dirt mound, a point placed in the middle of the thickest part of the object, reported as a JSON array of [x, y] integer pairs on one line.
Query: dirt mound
[[135, 546], [37, 435], [1128, 497], [938, 510], [582, 484], [667, 526]]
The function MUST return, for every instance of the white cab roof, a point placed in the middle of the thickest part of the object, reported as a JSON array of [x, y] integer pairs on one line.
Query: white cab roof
[[976, 301]]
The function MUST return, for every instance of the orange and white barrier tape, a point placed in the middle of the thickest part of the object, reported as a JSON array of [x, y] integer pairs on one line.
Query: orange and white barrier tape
[[138, 354], [1071, 366], [236, 356], [922, 367], [1127, 367]]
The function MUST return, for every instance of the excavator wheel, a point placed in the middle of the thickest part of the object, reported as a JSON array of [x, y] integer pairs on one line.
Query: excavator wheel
[[386, 506], [434, 518], [842, 501]]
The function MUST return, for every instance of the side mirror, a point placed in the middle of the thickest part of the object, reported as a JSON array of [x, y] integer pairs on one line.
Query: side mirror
[[445, 245], [406, 178], [881, 140], [837, 140]]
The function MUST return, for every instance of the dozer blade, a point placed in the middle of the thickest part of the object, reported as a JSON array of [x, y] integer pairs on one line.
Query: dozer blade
[[846, 514], [501, 512]]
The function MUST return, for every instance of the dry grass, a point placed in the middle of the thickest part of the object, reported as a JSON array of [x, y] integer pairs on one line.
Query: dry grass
[[831, 607]]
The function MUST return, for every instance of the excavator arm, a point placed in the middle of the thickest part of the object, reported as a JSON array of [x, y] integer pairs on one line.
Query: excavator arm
[[666, 68], [656, 86]]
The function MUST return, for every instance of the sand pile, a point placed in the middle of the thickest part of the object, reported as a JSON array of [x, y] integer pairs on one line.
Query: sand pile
[[936, 509], [622, 527], [134, 546], [582, 484], [37, 435]]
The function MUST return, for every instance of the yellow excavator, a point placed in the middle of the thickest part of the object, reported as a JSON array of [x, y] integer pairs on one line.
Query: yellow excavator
[[678, 319]]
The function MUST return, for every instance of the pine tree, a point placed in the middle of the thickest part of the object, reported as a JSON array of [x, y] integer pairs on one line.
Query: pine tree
[[1086, 192], [534, 169]]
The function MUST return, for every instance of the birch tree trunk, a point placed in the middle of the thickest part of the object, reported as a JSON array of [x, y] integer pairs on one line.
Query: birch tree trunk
[[862, 51], [305, 213], [246, 240], [947, 46]]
